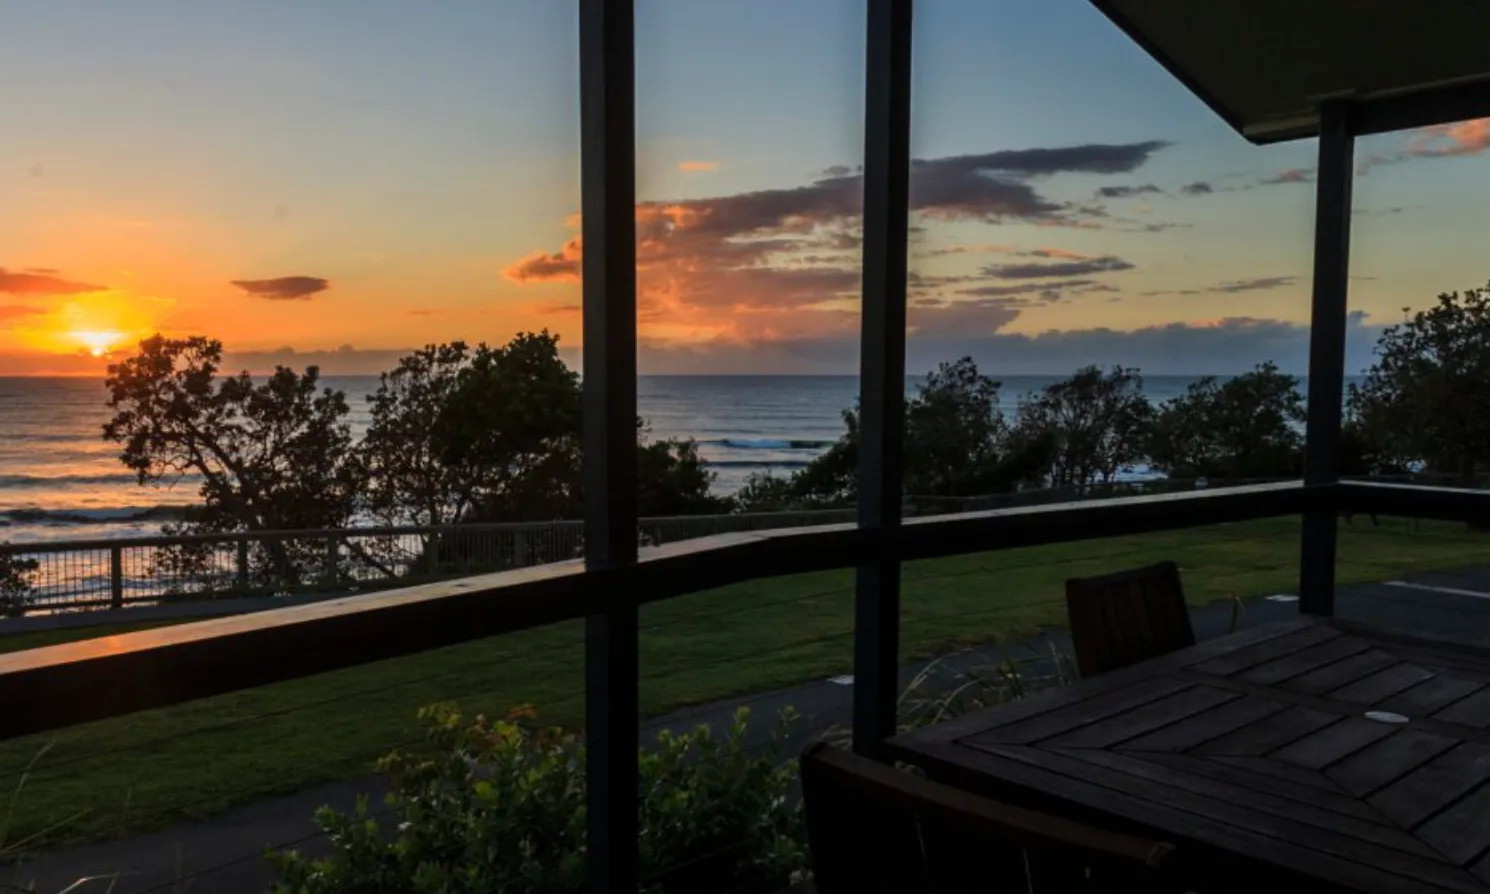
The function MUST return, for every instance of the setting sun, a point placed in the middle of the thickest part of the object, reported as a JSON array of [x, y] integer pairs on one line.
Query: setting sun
[[98, 342]]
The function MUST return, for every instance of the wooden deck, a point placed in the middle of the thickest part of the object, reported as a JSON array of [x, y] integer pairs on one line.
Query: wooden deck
[[1303, 751]]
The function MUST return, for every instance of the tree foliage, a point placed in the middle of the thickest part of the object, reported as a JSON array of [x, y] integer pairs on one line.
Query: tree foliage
[[458, 434], [16, 590], [1427, 396], [1249, 426], [956, 444], [1092, 423], [269, 455]]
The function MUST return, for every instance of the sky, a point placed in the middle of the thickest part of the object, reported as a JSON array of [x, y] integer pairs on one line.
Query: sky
[[337, 183]]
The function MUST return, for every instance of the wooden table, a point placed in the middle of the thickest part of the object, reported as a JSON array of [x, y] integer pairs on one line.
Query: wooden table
[[1255, 754]]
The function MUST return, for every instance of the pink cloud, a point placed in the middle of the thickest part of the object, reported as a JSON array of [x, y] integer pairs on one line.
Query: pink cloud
[[691, 167]]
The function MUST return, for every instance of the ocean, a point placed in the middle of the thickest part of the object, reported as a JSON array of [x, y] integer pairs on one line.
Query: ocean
[[60, 480]]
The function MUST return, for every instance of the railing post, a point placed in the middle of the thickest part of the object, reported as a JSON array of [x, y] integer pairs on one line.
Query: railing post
[[242, 565], [332, 558], [608, 232], [116, 577], [520, 549], [887, 167], [1327, 351]]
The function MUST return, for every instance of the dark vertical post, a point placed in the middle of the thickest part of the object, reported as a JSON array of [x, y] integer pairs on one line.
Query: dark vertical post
[[887, 168], [1327, 350], [116, 577], [608, 210]]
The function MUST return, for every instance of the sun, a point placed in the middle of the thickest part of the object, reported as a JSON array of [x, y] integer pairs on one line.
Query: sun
[[98, 341]]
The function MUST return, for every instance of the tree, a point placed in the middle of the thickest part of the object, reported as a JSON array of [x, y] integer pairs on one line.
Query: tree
[[15, 582], [1427, 397], [270, 456], [488, 434], [1249, 426], [956, 444], [674, 480], [1092, 423]]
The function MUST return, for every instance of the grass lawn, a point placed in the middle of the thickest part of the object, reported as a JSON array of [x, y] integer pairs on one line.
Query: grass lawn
[[156, 767]]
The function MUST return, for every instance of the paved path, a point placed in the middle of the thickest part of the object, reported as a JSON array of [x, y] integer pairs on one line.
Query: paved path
[[223, 855]]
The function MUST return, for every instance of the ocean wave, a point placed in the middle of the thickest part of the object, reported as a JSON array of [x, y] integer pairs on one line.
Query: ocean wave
[[62, 480], [756, 464], [92, 516], [768, 444]]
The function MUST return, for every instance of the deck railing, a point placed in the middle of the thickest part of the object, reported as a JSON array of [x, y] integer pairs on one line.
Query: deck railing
[[79, 575]]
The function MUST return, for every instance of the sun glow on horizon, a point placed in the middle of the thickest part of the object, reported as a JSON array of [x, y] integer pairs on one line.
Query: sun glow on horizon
[[98, 342]]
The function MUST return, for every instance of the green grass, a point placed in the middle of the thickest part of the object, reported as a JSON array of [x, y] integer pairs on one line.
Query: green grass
[[154, 768]]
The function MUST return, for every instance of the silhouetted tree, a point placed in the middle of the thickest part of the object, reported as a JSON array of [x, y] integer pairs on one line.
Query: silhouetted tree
[[1249, 426], [1427, 396], [1092, 423], [270, 455]]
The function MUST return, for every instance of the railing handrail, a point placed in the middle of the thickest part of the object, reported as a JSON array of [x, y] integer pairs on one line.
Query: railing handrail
[[55, 546]]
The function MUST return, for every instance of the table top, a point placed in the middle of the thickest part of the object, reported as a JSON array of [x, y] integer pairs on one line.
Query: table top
[[1312, 747]]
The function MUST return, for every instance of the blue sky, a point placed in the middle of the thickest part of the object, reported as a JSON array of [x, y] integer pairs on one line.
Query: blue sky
[[360, 178]]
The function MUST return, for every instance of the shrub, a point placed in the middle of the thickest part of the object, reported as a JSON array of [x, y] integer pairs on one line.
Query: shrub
[[500, 806]]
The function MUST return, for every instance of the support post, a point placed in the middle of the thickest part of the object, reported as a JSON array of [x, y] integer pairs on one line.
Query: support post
[[116, 577], [608, 214], [242, 564], [330, 560], [1327, 350], [887, 164]]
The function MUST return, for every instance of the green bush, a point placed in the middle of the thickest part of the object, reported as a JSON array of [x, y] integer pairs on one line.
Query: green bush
[[500, 807]]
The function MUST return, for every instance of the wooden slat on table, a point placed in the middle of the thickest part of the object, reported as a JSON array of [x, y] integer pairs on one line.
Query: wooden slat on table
[[1430, 696], [1382, 685], [1271, 732], [1433, 786], [1388, 760], [1204, 727], [1304, 661]]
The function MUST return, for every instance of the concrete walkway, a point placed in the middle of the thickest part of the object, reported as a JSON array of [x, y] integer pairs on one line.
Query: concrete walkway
[[223, 854]]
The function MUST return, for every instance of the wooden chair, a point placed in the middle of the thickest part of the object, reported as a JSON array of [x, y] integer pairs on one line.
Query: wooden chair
[[872, 828], [1121, 619]]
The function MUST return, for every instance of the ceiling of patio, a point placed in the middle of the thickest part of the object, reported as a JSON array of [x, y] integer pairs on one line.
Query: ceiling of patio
[[1264, 65]]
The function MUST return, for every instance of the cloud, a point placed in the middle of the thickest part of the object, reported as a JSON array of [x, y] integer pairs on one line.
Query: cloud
[[15, 311], [41, 281], [560, 266], [1449, 140], [1224, 346], [770, 261], [963, 250], [1029, 288], [1198, 188], [1290, 175], [1082, 267], [1055, 253], [1254, 284], [1123, 192], [283, 288], [695, 166]]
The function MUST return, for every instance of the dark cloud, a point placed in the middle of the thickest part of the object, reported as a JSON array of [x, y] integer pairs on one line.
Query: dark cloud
[[1254, 284], [1029, 288], [1076, 267], [1225, 346], [41, 281], [1291, 175], [1198, 188], [1089, 158], [283, 288], [1123, 192]]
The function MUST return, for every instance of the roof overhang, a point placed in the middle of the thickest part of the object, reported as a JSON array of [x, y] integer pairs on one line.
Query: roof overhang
[[1265, 66]]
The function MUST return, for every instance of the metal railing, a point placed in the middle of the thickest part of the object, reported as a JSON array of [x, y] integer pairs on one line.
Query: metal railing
[[73, 575]]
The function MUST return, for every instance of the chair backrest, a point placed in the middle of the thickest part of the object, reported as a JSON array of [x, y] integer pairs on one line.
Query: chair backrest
[[872, 828], [1121, 619]]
